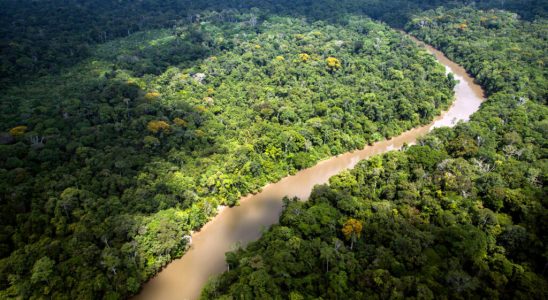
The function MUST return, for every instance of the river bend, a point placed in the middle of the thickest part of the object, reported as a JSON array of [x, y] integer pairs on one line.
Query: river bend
[[184, 278]]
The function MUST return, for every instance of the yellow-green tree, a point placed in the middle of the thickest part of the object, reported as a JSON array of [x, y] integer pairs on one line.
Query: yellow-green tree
[[158, 126], [150, 141], [18, 130], [333, 64], [151, 96], [180, 122], [352, 230]]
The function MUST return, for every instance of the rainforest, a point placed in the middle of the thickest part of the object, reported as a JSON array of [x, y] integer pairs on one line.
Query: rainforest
[[253, 149]]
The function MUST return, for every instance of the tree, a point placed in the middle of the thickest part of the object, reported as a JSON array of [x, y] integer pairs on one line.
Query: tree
[[327, 253], [333, 64], [352, 230], [151, 96], [18, 130], [42, 270], [158, 126], [110, 259]]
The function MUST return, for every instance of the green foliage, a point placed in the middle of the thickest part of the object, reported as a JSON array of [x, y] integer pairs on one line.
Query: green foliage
[[41, 37], [42, 270], [461, 215], [517, 47], [94, 201], [127, 152]]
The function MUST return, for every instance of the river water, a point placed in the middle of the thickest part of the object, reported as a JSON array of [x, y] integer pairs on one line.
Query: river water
[[184, 278]]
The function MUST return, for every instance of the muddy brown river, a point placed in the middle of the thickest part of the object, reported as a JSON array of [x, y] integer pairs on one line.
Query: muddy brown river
[[184, 278]]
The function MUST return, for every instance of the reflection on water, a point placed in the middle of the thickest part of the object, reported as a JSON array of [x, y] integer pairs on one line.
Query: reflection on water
[[184, 277]]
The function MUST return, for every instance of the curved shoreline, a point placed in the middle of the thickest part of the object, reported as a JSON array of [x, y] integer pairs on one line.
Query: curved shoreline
[[183, 278]]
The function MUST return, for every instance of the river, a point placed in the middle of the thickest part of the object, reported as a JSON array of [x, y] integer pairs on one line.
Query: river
[[184, 278]]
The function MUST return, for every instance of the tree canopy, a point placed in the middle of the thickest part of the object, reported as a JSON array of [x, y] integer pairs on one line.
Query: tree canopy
[[126, 124], [460, 215], [111, 163]]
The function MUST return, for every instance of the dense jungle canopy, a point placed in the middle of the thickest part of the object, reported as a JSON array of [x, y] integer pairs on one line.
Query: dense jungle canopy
[[125, 125]]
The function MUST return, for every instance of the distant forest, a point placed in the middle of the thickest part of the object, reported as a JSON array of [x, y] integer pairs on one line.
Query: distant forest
[[127, 124], [42, 37]]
